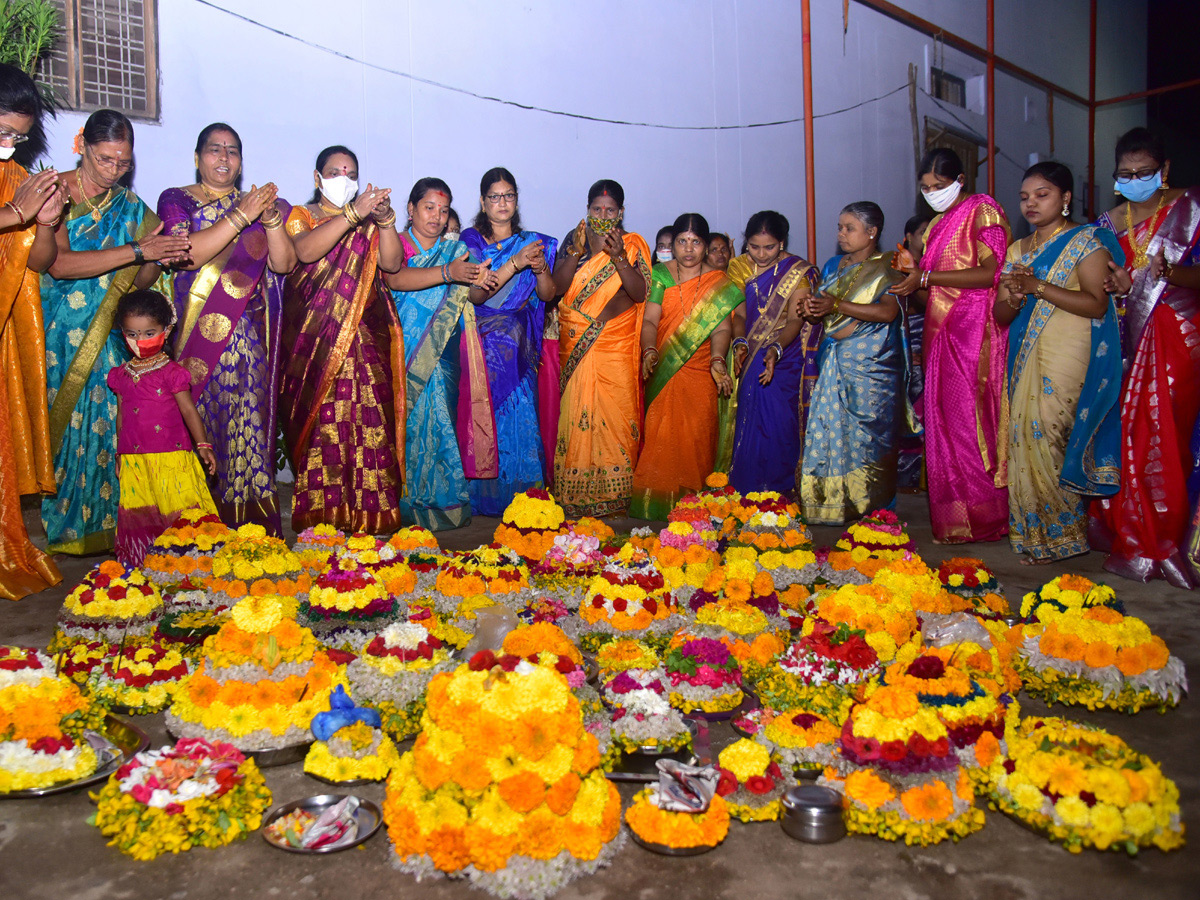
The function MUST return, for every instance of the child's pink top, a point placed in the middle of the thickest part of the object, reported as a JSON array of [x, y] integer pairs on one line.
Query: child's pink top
[[150, 418]]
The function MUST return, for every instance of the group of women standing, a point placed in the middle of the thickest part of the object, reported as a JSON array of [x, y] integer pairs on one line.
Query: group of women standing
[[418, 376]]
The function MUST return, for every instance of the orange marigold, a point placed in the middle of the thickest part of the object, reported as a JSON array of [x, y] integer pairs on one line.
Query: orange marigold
[[867, 788], [1099, 654], [448, 848], [987, 748], [1131, 661], [930, 802], [524, 791], [561, 796], [763, 584]]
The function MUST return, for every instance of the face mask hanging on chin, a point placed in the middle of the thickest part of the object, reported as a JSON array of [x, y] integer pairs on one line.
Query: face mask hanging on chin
[[1139, 190], [147, 348], [943, 198], [665, 255]]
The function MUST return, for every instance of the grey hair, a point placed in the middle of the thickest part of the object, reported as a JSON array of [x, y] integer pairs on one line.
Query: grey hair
[[868, 213]]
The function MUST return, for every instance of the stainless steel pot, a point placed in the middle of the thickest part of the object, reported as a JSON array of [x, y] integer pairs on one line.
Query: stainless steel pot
[[814, 814]]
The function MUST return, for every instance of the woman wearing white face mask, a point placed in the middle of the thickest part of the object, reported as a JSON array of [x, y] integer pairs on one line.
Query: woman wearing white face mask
[[341, 391], [964, 354], [1158, 227]]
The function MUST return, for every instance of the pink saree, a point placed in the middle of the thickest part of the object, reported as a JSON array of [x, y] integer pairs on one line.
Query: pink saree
[[965, 351]]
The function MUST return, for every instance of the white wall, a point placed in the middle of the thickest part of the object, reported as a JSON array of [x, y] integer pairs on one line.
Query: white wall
[[693, 62]]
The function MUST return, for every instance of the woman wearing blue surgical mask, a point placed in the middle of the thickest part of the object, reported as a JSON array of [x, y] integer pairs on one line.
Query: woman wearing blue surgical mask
[[964, 354], [1144, 526]]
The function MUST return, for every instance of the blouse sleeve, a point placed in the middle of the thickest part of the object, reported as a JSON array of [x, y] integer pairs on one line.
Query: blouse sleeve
[[992, 234], [299, 221], [175, 210], [116, 381], [177, 378], [660, 280]]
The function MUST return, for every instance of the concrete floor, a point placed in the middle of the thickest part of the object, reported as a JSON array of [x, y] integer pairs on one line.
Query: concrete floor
[[48, 852]]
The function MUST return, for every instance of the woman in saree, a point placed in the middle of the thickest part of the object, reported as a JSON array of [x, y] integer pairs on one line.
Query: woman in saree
[[1064, 371], [341, 389], [910, 470], [107, 246], [774, 359], [852, 444], [604, 277], [510, 320], [964, 353], [228, 296], [1144, 527], [686, 332], [450, 432], [30, 206]]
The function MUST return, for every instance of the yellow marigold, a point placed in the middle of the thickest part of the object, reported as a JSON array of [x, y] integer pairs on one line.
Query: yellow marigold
[[257, 614], [745, 759]]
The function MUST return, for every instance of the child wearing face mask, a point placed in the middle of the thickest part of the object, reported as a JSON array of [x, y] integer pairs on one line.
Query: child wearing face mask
[[157, 426]]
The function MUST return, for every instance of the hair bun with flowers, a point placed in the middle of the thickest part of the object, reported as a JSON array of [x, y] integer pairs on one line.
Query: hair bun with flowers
[[77, 144]]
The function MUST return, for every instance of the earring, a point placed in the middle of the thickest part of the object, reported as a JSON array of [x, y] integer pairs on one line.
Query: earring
[[1066, 211], [1165, 186]]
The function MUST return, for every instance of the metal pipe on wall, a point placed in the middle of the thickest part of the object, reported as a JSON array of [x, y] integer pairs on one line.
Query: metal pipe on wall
[[991, 96], [810, 176], [1091, 170]]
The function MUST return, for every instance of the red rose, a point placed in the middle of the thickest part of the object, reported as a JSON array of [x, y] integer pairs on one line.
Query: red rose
[[598, 602], [619, 604], [918, 744], [650, 605], [117, 593], [508, 662], [861, 655], [893, 751], [940, 747], [564, 666], [482, 661], [805, 720], [928, 667], [757, 784], [344, 657], [101, 581], [726, 782]]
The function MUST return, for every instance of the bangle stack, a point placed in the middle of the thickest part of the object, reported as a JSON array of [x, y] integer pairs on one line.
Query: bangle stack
[[237, 219], [446, 273], [719, 364], [778, 348], [1040, 291], [21, 220], [203, 445], [351, 215], [273, 222], [648, 350], [740, 342], [387, 221], [924, 282]]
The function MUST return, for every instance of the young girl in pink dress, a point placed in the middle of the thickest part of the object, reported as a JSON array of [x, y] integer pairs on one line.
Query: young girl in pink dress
[[157, 423]]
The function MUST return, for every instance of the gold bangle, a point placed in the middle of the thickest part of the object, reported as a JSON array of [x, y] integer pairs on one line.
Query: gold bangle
[[273, 225], [21, 220], [238, 219], [387, 221], [351, 215], [1040, 291]]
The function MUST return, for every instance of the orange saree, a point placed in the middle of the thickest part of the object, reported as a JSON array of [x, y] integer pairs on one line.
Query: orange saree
[[25, 460], [600, 423]]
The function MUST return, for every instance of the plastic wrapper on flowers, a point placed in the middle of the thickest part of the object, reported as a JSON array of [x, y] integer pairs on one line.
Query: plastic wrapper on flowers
[[502, 786], [917, 809], [1083, 787], [195, 794], [1098, 658]]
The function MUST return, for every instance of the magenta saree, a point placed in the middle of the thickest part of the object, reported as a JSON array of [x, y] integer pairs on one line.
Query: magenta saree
[[965, 353]]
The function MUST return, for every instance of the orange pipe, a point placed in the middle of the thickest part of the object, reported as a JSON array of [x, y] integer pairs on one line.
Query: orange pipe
[[991, 96], [1091, 169], [810, 175], [1141, 95]]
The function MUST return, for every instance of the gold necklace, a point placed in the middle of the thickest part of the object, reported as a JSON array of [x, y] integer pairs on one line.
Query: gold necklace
[[329, 211], [141, 367], [1140, 258], [213, 195], [96, 214], [853, 281], [1037, 246]]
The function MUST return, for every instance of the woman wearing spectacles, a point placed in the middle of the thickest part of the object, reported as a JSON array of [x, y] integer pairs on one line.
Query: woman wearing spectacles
[[1143, 526], [25, 244], [510, 318], [109, 242]]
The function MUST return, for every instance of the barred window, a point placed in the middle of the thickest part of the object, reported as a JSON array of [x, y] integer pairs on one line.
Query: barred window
[[106, 56]]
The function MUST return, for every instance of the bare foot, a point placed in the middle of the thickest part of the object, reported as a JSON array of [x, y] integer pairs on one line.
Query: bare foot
[[1032, 561]]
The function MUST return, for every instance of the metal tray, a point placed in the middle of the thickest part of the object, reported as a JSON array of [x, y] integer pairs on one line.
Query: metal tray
[[664, 850], [367, 815], [749, 702], [272, 756], [115, 743]]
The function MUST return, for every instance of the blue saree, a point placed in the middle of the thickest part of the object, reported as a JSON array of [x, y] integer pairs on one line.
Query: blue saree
[[510, 330], [433, 321], [81, 347], [852, 443], [1064, 388]]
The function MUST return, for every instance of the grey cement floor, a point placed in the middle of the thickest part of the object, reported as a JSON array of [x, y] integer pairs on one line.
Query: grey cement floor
[[48, 852]]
